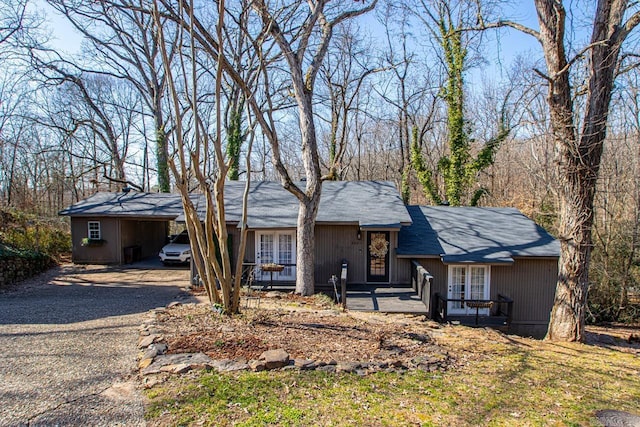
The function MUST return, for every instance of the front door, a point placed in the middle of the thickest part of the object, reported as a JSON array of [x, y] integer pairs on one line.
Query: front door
[[278, 247], [378, 256], [467, 282]]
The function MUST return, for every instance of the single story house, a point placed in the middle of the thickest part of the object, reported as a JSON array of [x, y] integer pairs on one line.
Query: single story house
[[452, 256]]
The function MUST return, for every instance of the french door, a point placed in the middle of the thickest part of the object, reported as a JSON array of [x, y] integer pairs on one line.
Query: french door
[[277, 247], [467, 282]]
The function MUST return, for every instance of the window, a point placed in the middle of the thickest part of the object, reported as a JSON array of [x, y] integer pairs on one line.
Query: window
[[94, 230]]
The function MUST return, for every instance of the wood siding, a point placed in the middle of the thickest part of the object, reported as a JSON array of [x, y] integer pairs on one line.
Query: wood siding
[[118, 234], [335, 243], [108, 253], [529, 282]]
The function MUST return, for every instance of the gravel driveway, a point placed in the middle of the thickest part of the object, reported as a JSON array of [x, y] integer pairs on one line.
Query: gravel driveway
[[68, 344]]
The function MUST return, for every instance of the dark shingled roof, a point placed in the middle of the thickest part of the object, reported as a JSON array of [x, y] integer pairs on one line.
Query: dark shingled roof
[[366, 203], [132, 205], [472, 234]]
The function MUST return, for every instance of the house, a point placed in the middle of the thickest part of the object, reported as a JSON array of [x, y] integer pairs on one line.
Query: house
[[490, 254], [467, 264]]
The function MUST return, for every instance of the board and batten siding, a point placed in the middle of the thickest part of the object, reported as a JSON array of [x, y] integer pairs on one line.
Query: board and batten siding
[[108, 253], [335, 243], [531, 284]]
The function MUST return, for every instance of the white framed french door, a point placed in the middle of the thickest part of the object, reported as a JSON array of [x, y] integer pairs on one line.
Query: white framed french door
[[277, 247], [467, 282]]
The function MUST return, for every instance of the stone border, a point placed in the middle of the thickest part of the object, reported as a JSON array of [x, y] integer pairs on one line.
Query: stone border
[[153, 359]]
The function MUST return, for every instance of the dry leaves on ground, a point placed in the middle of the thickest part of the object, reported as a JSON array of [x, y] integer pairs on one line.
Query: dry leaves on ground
[[303, 328]]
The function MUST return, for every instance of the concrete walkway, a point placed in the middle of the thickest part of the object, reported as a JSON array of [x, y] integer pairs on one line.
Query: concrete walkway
[[68, 344]]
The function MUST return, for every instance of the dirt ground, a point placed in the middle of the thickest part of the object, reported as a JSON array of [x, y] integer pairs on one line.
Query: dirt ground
[[313, 328]]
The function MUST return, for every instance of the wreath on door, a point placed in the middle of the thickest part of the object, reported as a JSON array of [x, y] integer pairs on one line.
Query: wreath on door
[[379, 246]]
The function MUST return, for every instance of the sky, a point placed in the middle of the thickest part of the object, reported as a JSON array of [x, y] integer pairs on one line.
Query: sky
[[506, 44]]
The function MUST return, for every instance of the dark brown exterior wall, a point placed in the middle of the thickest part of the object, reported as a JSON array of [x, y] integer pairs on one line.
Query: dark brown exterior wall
[[108, 253], [529, 282], [335, 243], [118, 234]]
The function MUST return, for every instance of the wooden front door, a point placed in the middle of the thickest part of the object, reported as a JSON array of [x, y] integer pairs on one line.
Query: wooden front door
[[378, 256]]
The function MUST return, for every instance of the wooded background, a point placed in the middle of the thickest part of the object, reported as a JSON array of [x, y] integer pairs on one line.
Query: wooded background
[[417, 93]]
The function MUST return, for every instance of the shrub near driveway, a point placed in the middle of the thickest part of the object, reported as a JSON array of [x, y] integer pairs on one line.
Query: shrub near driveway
[[496, 380]]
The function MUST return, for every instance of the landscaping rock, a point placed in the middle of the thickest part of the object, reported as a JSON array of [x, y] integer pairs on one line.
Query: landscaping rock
[[228, 365], [327, 368], [275, 359], [159, 347], [347, 367], [304, 364], [148, 340], [174, 304], [173, 363], [257, 365]]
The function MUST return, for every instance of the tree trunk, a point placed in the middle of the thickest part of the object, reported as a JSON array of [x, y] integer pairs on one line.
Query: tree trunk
[[308, 210], [162, 151], [579, 157], [306, 244]]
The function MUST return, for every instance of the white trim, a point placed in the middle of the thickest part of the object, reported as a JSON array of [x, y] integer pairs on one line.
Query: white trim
[[290, 272], [91, 230], [464, 310]]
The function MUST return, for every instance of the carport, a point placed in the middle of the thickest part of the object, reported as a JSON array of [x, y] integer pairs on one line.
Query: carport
[[120, 228]]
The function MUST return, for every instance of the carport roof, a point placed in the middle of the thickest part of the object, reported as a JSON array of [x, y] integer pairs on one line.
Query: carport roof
[[131, 204], [474, 234]]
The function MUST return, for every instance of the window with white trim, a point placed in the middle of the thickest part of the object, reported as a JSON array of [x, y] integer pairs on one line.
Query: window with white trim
[[94, 230]]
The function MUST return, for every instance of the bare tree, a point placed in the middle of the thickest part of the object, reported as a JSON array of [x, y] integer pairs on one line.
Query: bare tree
[[579, 131], [123, 43], [198, 136]]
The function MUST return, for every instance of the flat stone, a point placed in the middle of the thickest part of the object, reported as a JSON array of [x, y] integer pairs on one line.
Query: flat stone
[[614, 418], [148, 340], [179, 368], [149, 353], [304, 364], [192, 360], [159, 347], [144, 362], [348, 367], [327, 368], [174, 304], [228, 365], [275, 359]]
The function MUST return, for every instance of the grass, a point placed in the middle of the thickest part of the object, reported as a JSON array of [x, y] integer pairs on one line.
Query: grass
[[499, 381]]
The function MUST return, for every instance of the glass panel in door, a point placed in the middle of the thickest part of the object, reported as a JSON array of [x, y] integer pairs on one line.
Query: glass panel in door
[[265, 253], [285, 256], [457, 288]]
